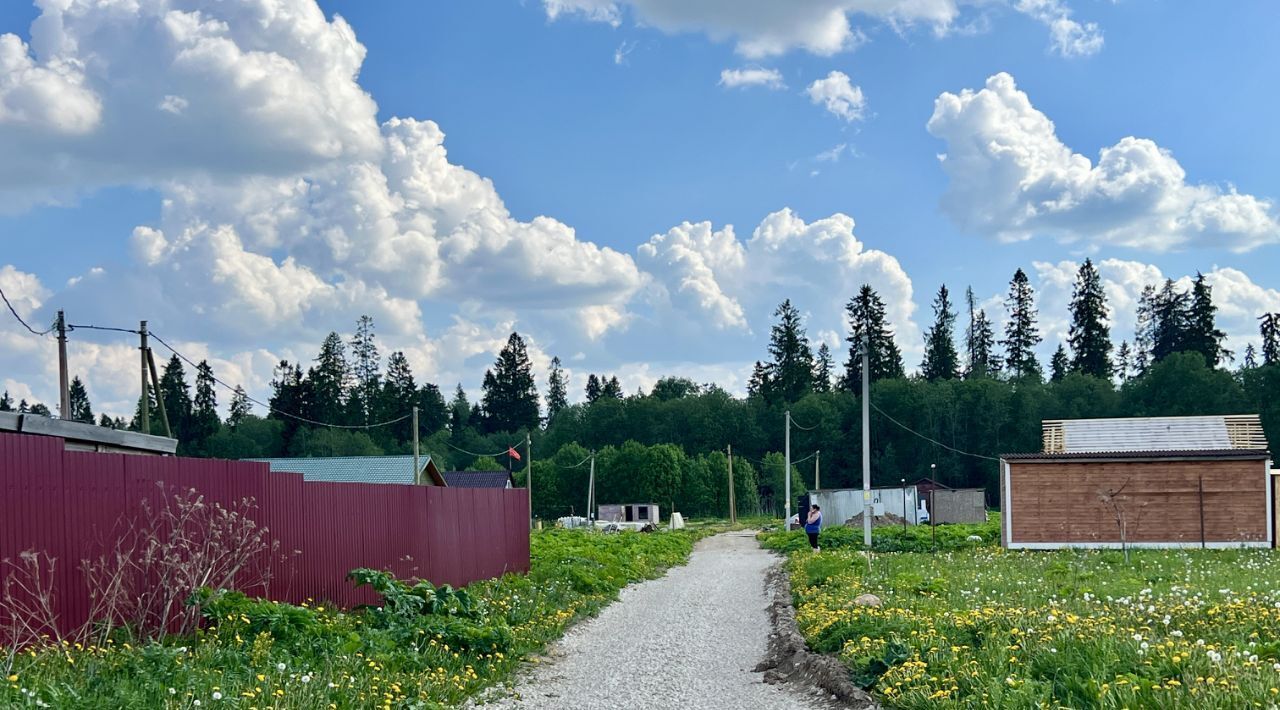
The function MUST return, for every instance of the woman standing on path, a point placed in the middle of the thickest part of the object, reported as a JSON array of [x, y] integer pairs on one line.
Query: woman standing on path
[[812, 526]]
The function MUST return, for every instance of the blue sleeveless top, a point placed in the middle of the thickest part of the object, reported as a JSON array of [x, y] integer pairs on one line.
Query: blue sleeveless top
[[815, 526]]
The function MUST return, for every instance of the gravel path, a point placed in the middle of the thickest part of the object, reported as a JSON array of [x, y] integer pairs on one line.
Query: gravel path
[[686, 640]]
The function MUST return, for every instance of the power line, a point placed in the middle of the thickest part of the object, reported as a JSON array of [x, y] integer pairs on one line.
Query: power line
[[932, 441], [14, 311], [472, 453], [268, 407], [100, 327], [805, 428], [579, 464]]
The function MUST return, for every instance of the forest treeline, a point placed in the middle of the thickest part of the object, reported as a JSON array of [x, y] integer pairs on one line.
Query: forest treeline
[[976, 394]]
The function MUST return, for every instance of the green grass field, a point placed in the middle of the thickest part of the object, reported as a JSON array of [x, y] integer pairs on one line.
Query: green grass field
[[423, 649], [983, 627]]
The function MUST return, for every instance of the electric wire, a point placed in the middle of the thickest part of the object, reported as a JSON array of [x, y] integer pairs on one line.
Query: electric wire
[[802, 427], [268, 407], [100, 327], [932, 441], [504, 452], [14, 311]]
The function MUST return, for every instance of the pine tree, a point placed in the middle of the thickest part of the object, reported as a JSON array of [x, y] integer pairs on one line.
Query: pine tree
[[1089, 334], [1269, 327], [41, 410], [1020, 333], [557, 390], [510, 395], [289, 396], [239, 407], [612, 388], [366, 364], [6, 402], [1059, 364], [823, 368], [106, 422], [147, 399], [204, 409], [865, 313], [1124, 361], [328, 383], [941, 362], [980, 342], [1203, 335], [459, 412], [177, 398], [791, 367], [81, 410], [593, 388]]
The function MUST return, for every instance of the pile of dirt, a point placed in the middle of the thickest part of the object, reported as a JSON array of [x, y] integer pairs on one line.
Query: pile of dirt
[[876, 520]]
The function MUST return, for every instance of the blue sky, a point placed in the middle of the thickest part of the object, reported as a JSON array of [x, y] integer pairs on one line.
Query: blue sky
[[612, 120]]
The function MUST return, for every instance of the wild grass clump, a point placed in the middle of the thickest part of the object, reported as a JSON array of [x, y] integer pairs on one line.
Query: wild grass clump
[[987, 627], [423, 646], [891, 538]]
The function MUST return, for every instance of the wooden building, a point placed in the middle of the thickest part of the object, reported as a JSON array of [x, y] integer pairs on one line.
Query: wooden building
[[1141, 482]]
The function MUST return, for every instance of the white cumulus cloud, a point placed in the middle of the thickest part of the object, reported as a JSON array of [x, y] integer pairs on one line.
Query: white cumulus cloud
[[839, 96], [751, 76], [1012, 178]]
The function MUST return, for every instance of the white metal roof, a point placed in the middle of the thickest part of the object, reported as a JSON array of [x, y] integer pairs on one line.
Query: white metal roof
[[1213, 433]]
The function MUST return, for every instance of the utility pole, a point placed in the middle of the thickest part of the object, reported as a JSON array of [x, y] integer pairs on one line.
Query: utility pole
[[904, 505], [733, 504], [416, 470], [528, 474], [145, 406], [786, 475], [591, 488], [867, 512], [155, 386], [64, 387], [817, 459]]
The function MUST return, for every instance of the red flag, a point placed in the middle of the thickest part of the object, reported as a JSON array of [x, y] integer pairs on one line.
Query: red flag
[[511, 451]]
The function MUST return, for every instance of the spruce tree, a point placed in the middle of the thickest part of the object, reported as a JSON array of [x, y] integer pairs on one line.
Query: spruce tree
[[865, 313], [328, 383], [239, 408], [1250, 357], [557, 390], [288, 397], [1169, 321], [759, 382], [1269, 327], [177, 399], [397, 396], [980, 342], [791, 367], [365, 366], [1144, 330], [823, 369], [459, 412], [1203, 335], [941, 362], [433, 411], [593, 388], [6, 402], [1089, 334], [204, 410], [1020, 333], [612, 388], [1059, 364], [1124, 361], [510, 395], [81, 410]]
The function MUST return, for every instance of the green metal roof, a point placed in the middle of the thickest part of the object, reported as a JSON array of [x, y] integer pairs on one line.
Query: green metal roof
[[351, 469]]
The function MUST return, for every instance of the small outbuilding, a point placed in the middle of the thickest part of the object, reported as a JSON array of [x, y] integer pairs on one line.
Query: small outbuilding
[[629, 513], [1141, 482], [80, 436]]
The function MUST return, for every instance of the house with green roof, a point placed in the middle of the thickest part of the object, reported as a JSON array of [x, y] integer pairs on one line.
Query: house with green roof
[[361, 469]]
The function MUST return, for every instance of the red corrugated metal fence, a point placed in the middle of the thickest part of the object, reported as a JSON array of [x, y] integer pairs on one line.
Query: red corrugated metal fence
[[72, 505]]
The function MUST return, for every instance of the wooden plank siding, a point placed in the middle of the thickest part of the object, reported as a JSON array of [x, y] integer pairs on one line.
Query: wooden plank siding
[[1059, 503]]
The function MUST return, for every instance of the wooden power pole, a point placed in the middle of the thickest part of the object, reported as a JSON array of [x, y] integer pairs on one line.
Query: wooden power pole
[[64, 387], [144, 407], [733, 503]]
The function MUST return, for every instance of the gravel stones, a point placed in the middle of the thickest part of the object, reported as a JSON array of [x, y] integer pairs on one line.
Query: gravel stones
[[689, 639]]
